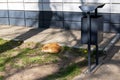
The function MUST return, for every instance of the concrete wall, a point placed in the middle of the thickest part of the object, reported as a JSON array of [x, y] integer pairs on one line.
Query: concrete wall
[[56, 13]]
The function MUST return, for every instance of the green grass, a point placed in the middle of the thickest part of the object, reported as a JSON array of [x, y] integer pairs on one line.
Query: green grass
[[65, 74], [68, 73], [20, 58], [1, 77]]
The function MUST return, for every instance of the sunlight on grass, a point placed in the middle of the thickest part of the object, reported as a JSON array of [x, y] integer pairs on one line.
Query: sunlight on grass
[[1, 77], [67, 73], [2, 68]]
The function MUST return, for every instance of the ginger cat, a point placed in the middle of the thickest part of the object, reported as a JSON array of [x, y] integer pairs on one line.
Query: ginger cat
[[51, 48]]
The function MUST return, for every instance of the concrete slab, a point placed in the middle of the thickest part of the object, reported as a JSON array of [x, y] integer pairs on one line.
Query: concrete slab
[[67, 37], [62, 36]]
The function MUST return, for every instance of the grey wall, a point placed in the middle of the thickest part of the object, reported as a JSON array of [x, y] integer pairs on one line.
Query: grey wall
[[56, 13]]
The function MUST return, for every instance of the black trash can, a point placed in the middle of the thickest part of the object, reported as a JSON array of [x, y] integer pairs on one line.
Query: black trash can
[[96, 30]]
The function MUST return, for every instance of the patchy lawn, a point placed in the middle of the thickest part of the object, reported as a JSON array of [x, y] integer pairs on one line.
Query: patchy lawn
[[18, 58]]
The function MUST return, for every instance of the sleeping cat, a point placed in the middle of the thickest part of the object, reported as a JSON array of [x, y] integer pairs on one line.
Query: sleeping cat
[[51, 48]]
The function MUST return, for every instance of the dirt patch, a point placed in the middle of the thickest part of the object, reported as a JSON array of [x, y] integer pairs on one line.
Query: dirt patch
[[34, 73]]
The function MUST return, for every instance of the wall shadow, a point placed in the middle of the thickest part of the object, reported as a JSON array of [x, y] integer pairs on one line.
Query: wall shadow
[[45, 17]]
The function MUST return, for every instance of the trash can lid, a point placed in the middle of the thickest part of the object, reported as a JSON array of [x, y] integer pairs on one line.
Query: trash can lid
[[90, 7]]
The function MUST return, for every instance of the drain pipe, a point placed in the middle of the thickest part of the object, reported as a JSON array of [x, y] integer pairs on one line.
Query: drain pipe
[[111, 44]]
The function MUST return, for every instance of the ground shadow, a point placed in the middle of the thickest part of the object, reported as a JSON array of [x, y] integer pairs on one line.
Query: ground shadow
[[65, 71], [45, 16]]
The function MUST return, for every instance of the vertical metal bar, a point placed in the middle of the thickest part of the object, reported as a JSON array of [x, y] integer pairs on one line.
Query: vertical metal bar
[[97, 55], [96, 12], [89, 58], [89, 41]]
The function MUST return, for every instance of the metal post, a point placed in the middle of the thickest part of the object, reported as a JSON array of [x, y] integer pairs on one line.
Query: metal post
[[96, 12], [89, 41], [97, 55]]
